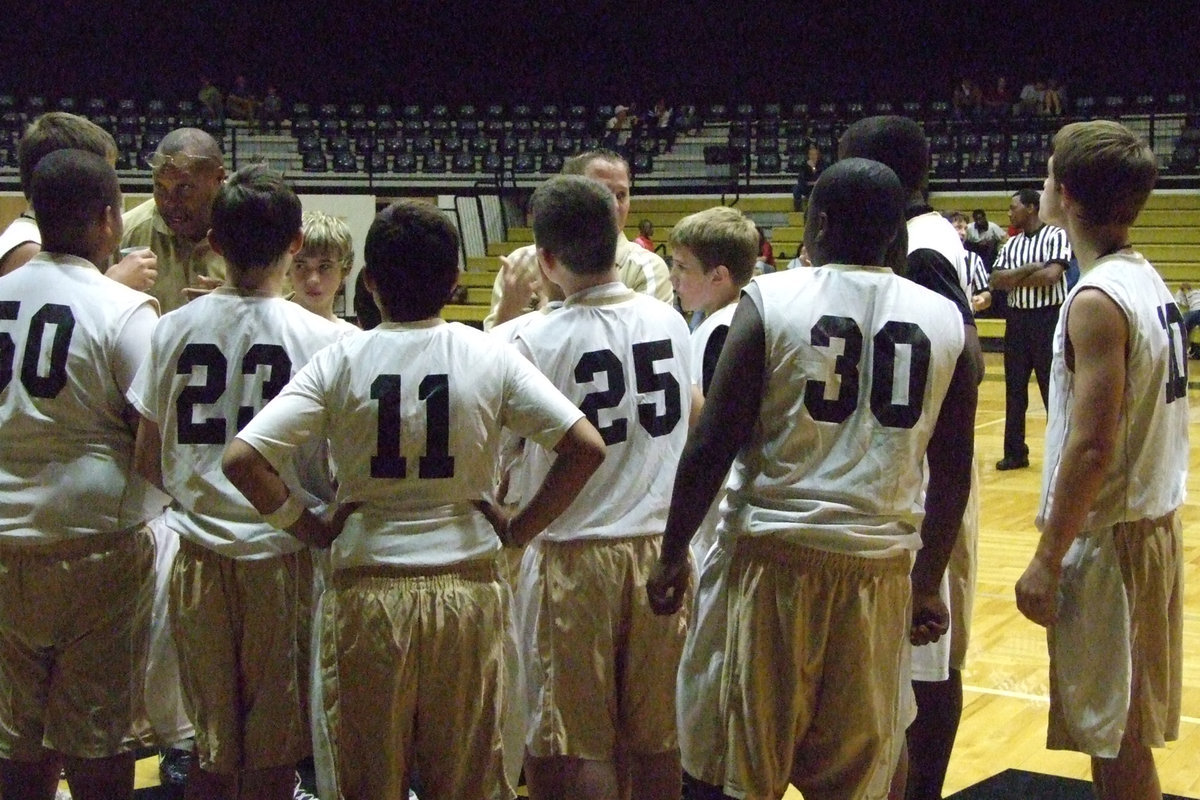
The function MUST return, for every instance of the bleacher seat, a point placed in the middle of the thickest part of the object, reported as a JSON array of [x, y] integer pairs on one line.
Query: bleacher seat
[[535, 144], [365, 143], [463, 163], [745, 112], [330, 128], [1184, 159], [8, 102], [551, 164], [308, 143], [434, 163], [768, 164], [1177, 103], [1114, 105], [143, 160], [764, 145], [492, 162], [523, 164], [510, 144], [882, 107], [395, 144], [301, 110], [521, 111], [404, 163], [125, 159], [35, 105], [588, 143], [339, 144], [66, 104], [564, 145], [385, 127], [479, 145], [522, 128], [494, 111], [423, 144], [383, 111], [716, 112], [643, 164], [452, 144], [467, 111], [328, 111], [945, 165], [771, 112], [95, 107], [357, 126], [799, 111], [911, 108], [345, 161], [126, 142], [151, 140], [375, 162]]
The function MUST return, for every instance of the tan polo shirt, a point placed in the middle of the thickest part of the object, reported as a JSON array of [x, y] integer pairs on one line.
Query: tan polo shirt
[[179, 260]]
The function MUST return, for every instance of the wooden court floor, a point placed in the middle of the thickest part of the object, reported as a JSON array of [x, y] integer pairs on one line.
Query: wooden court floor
[[1006, 680]]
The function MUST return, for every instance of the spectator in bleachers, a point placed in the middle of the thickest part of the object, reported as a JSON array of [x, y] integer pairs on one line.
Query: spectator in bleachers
[[663, 117], [810, 170], [1031, 99], [1052, 100], [645, 236], [984, 237], [998, 100], [515, 289], [188, 169], [212, 103], [241, 102], [967, 99], [272, 110], [766, 253]]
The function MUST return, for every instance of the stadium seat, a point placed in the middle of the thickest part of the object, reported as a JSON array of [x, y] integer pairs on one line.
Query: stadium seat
[[452, 144], [95, 107], [799, 111], [395, 144], [434, 163], [745, 112], [327, 111], [643, 164], [66, 104], [404, 163], [463, 163], [564, 145], [494, 111], [551, 164], [423, 144], [765, 145], [383, 112], [308, 143], [365, 143], [1184, 159], [492, 162], [466, 112], [414, 126], [716, 112], [440, 111], [479, 145], [150, 141], [535, 144], [330, 128], [523, 164], [345, 162], [768, 164], [522, 128], [510, 144], [521, 111], [339, 144], [301, 111], [375, 162], [589, 143], [35, 105], [357, 126], [383, 127]]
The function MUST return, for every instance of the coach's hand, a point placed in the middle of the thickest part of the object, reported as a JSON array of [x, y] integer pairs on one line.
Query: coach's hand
[[138, 270], [668, 584]]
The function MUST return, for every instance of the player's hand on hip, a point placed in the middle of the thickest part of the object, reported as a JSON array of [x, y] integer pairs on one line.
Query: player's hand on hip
[[667, 584], [500, 521], [1037, 592], [930, 618]]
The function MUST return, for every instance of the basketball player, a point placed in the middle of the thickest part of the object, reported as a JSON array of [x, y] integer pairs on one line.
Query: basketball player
[[76, 558], [239, 588], [319, 270], [414, 626], [833, 384], [1107, 577], [642, 270], [936, 260], [600, 666]]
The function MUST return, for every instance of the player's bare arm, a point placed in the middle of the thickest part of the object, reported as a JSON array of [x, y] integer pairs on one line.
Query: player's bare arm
[[18, 256], [579, 454], [730, 411], [1097, 334], [255, 478], [147, 452], [950, 453]]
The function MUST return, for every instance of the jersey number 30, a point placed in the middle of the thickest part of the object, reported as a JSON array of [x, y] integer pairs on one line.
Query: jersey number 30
[[883, 372]]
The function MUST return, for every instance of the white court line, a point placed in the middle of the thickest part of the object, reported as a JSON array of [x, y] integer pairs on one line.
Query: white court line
[[1037, 698]]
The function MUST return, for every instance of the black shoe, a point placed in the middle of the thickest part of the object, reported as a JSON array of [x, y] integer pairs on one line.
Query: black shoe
[[173, 766], [1011, 462]]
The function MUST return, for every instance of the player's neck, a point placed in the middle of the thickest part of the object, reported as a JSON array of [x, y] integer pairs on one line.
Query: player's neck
[[1090, 244], [573, 283], [1033, 227], [265, 282], [721, 302]]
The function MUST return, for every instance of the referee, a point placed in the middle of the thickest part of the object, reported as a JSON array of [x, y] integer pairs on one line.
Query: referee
[[1032, 268]]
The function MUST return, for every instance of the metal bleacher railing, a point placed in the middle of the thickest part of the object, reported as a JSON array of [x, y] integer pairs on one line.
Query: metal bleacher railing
[[715, 148]]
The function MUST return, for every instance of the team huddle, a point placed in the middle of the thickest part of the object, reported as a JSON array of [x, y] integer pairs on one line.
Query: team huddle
[[586, 543]]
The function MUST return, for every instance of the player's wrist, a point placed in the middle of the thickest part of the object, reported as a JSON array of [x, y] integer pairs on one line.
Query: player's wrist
[[287, 514]]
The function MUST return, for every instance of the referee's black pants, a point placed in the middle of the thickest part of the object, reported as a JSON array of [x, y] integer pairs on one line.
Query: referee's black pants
[[1028, 345]]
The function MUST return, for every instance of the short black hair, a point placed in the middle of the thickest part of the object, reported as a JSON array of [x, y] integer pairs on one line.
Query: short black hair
[[366, 313], [411, 256], [893, 140], [575, 220], [1029, 197], [255, 217], [69, 190], [863, 203]]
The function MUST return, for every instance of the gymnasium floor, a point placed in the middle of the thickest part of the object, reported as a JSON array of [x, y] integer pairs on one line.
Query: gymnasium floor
[[1005, 684]]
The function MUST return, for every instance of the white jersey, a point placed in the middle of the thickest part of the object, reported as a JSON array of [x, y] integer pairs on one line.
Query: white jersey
[[858, 362], [413, 413], [70, 343], [1148, 474], [707, 341], [213, 363], [623, 358], [933, 231], [22, 230]]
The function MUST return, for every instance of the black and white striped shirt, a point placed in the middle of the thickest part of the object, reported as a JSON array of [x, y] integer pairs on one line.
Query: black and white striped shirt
[[977, 274], [1048, 244]]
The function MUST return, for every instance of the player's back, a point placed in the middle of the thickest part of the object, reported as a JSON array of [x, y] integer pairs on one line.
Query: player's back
[[858, 362], [213, 364], [623, 358], [65, 449], [413, 413], [1148, 474]]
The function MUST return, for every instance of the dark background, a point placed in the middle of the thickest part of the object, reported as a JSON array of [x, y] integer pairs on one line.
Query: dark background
[[591, 52]]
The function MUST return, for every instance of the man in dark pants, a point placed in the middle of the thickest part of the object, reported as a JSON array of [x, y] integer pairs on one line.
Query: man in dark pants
[[1032, 269]]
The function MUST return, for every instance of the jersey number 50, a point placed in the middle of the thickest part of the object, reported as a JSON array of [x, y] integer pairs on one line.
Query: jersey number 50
[[38, 385]]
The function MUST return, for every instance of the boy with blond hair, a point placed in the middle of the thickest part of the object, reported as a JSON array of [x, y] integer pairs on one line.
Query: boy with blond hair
[[240, 588], [1107, 576], [320, 269]]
